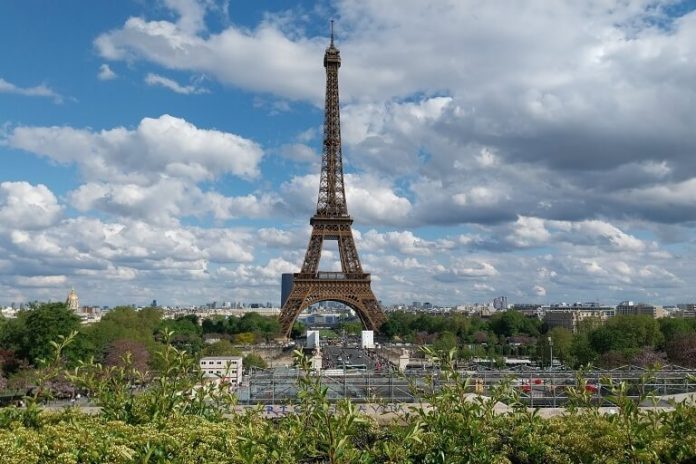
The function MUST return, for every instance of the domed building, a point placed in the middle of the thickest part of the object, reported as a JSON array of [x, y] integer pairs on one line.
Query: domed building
[[73, 302]]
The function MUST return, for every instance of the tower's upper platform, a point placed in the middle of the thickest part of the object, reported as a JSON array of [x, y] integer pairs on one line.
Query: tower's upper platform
[[332, 54]]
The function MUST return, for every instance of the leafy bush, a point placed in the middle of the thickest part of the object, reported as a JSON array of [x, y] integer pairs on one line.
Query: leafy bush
[[178, 419]]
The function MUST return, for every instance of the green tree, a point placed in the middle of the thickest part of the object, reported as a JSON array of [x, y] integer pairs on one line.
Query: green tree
[[215, 324], [327, 334], [626, 334], [390, 328], [232, 325], [397, 324], [562, 340], [13, 335], [263, 326], [34, 330], [445, 342], [187, 334], [245, 338], [582, 350], [270, 328], [250, 322], [351, 327], [221, 348], [509, 323], [150, 317], [674, 327], [124, 323], [298, 330]]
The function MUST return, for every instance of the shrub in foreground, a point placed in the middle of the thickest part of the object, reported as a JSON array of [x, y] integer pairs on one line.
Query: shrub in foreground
[[174, 421]]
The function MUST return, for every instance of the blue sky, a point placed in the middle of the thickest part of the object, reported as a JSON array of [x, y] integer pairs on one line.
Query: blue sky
[[169, 150]]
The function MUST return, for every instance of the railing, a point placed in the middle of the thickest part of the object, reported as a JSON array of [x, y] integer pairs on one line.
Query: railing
[[334, 276], [534, 388]]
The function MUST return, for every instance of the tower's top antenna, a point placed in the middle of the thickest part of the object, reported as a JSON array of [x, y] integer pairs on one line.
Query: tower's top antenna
[[332, 35]]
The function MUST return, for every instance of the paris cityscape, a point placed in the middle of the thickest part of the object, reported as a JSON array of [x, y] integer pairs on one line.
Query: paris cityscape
[[338, 232]]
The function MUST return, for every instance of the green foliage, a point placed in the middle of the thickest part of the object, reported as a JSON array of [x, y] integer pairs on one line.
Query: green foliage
[[217, 325], [27, 336], [221, 348], [187, 333], [267, 327], [31, 333], [13, 336], [446, 342], [463, 330], [180, 419], [620, 340], [460, 427], [245, 338], [406, 324], [177, 389], [582, 350], [327, 334], [672, 327], [350, 327], [298, 329], [327, 430], [509, 323], [263, 327], [124, 323], [563, 349], [626, 334]]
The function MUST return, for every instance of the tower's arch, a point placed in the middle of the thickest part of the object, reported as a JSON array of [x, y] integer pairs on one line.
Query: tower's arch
[[359, 307]]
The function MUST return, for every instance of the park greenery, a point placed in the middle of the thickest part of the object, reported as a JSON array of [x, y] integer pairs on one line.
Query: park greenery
[[180, 419], [26, 339], [638, 340], [620, 341], [141, 371]]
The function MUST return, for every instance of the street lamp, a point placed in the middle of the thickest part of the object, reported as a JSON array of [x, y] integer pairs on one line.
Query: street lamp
[[551, 349]]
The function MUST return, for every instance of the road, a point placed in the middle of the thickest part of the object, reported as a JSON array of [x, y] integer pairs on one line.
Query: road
[[335, 357]]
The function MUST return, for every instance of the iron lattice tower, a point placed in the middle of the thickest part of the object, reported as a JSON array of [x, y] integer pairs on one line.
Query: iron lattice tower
[[351, 286]]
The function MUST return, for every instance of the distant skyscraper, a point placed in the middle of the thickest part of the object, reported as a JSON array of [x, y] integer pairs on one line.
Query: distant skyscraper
[[285, 288], [500, 303], [73, 302]]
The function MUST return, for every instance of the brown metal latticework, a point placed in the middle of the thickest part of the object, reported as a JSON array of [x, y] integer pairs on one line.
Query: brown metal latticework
[[351, 286]]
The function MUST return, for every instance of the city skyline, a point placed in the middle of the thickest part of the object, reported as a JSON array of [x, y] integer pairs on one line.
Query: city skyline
[[171, 151]]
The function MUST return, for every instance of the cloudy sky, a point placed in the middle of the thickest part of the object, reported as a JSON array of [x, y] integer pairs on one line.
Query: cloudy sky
[[170, 150]]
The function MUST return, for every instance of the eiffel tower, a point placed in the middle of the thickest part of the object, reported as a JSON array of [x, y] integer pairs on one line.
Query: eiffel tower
[[351, 286]]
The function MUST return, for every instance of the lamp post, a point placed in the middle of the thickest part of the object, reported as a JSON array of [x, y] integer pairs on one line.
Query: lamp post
[[551, 350]]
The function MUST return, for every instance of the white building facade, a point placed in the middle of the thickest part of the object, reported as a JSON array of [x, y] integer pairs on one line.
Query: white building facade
[[223, 368]]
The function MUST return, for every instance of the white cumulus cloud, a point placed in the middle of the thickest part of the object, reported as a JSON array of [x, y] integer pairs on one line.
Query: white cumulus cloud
[[26, 206], [165, 145]]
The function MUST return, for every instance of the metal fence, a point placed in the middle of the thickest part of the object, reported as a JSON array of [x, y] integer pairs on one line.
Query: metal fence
[[533, 388]]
